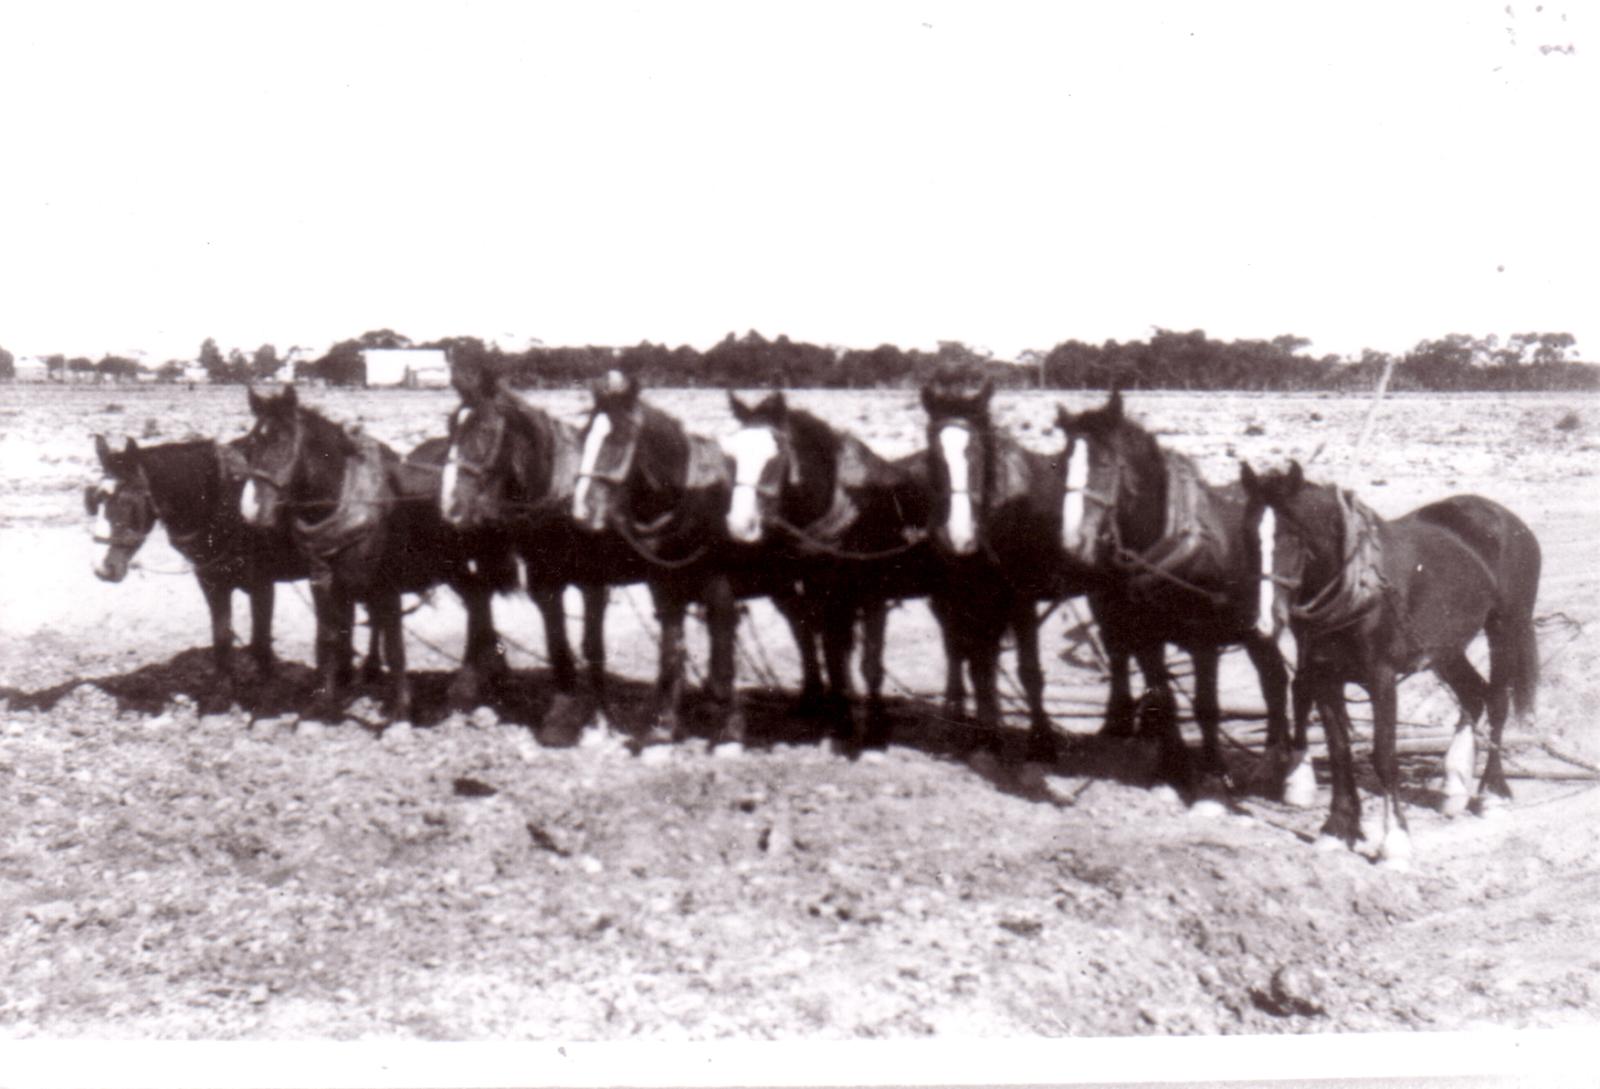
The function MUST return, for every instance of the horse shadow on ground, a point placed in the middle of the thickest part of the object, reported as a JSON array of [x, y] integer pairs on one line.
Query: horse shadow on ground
[[528, 698]]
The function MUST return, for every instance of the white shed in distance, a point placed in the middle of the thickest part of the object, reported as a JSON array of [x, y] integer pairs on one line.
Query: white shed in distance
[[408, 368]]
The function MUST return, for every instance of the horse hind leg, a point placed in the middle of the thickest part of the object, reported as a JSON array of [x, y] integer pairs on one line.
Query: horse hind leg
[[1460, 759], [1506, 650]]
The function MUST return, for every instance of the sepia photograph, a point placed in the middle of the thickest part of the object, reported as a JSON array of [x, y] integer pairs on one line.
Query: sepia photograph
[[824, 544]]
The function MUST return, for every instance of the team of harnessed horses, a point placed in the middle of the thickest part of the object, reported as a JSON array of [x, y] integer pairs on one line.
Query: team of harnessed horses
[[795, 509]]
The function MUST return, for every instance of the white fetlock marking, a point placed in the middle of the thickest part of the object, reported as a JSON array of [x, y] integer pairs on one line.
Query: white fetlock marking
[[1395, 852], [728, 750], [1268, 590], [1459, 761], [1072, 504], [1493, 807], [1300, 788], [1207, 809], [1326, 843], [959, 526]]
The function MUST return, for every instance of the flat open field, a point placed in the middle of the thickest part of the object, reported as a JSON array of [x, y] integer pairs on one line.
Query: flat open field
[[167, 873]]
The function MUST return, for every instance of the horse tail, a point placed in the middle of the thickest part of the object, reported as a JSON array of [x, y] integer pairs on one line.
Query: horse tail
[[1525, 572], [1525, 672]]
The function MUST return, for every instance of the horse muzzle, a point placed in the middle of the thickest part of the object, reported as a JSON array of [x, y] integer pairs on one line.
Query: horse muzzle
[[112, 567]]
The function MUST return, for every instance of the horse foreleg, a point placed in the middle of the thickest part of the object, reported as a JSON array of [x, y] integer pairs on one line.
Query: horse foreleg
[[1395, 849], [263, 596], [1344, 812], [558, 648], [1461, 758], [595, 599], [335, 617], [800, 613], [664, 719], [983, 660], [874, 626], [219, 602], [722, 620], [1279, 761], [384, 614], [955, 686], [1042, 747], [838, 636], [1156, 712], [480, 654]]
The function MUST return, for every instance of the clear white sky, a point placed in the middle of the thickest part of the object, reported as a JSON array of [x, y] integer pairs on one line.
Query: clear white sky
[[1010, 175]]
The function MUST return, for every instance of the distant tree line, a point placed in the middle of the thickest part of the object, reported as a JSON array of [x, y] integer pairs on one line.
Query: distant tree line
[[1167, 360]]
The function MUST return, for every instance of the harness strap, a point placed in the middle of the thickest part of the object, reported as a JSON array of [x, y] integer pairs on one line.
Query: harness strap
[[1360, 584]]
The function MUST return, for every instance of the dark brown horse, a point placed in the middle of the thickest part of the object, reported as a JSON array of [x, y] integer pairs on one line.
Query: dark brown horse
[[192, 488], [997, 533], [1181, 562], [1370, 601], [370, 530], [512, 469], [851, 523], [665, 493]]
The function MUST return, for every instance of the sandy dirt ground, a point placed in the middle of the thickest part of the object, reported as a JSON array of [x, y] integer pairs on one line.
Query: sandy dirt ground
[[243, 874]]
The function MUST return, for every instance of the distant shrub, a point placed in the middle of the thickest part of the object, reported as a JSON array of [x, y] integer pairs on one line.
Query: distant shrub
[[113, 409], [1570, 422]]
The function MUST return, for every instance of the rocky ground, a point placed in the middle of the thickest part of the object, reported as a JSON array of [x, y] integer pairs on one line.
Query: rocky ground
[[171, 874]]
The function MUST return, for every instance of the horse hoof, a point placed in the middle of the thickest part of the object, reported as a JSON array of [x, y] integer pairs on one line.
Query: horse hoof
[[1395, 854], [727, 750], [1328, 844], [1491, 807], [1208, 809], [1454, 805], [1300, 788]]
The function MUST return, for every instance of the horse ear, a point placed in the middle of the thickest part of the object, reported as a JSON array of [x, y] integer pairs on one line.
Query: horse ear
[[1297, 476], [740, 410], [778, 404], [130, 448], [1114, 406], [1248, 479], [927, 400], [1063, 418], [289, 398], [258, 404], [103, 452], [985, 393]]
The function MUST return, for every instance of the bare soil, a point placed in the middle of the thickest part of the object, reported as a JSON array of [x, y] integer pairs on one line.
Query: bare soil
[[168, 873]]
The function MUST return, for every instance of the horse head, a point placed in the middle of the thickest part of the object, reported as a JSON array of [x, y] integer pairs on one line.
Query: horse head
[[1286, 516], [1115, 482], [763, 461], [610, 448], [960, 460], [295, 457], [122, 507], [474, 487]]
